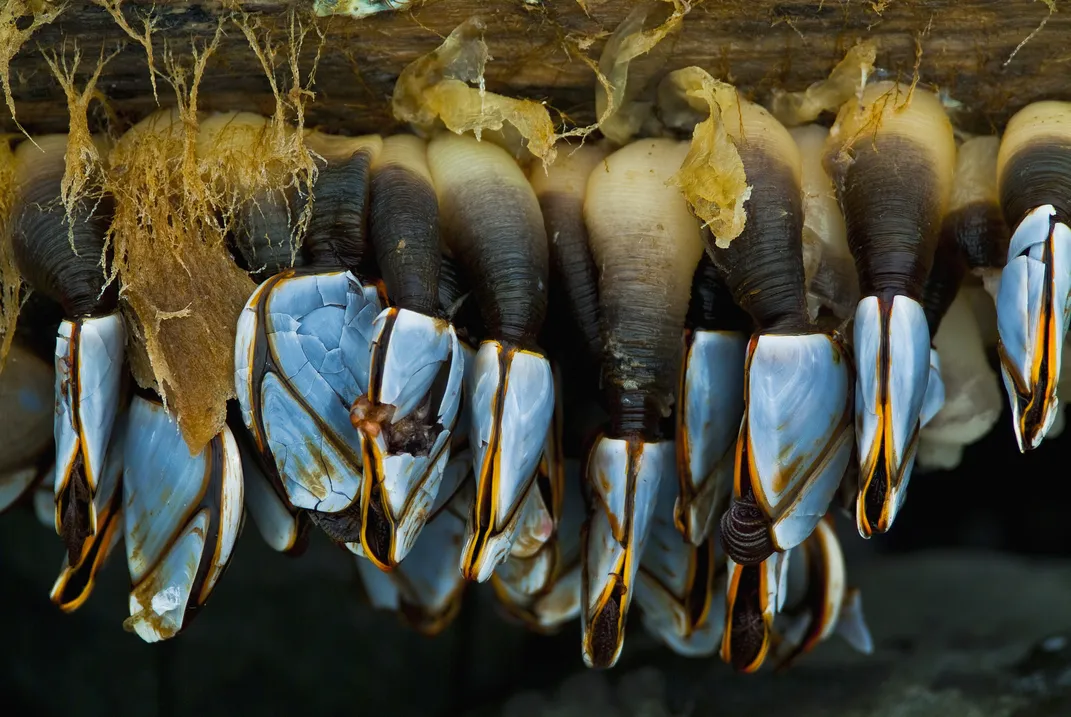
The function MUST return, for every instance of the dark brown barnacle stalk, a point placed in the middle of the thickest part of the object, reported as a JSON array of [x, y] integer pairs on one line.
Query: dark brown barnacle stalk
[[560, 189], [646, 245], [61, 254], [1034, 180], [303, 346], [975, 218], [492, 225], [891, 154], [938, 293], [409, 412], [794, 440]]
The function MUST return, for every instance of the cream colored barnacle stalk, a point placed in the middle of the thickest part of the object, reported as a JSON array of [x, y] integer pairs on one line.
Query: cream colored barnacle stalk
[[62, 255], [262, 237], [795, 438], [832, 284], [680, 587], [182, 514], [26, 416], [406, 418], [891, 154], [646, 244], [491, 222], [710, 403], [818, 602], [427, 588], [303, 345], [1034, 179]]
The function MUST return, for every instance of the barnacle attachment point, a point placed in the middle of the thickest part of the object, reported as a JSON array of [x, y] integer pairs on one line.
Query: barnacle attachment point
[[435, 91], [846, 79], [1034, 177], [712, 176], [629, 63]]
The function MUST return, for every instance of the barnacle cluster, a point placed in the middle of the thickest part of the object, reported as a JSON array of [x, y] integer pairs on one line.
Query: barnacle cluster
[[643, 368]]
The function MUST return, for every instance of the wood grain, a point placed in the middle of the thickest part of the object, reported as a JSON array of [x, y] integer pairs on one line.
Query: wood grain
[[965, 47]]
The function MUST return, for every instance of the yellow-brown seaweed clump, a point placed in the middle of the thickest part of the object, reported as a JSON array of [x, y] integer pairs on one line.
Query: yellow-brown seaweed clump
[[10, 279]]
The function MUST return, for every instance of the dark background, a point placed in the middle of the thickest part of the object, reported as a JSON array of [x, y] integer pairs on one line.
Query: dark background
[[960, 597]]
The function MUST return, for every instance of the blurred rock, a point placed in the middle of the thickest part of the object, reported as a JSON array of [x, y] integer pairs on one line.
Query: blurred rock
[[957, 634]]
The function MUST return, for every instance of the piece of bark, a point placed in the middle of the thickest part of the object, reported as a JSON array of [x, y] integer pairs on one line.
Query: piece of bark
[[756, 44]]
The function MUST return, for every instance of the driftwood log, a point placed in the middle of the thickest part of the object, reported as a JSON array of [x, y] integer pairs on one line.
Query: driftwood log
[[989, 55]]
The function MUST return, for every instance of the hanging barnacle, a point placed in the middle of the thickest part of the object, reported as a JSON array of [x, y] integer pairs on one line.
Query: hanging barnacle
[[62, 255], [491, 222], [795, 438], [646, 244], [710, 402], [406, 418], [794, 441], [303, 346], [891, 155], [1034, 179]]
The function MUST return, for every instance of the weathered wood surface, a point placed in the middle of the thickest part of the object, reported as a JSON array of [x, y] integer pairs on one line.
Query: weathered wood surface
[[965, 47]]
